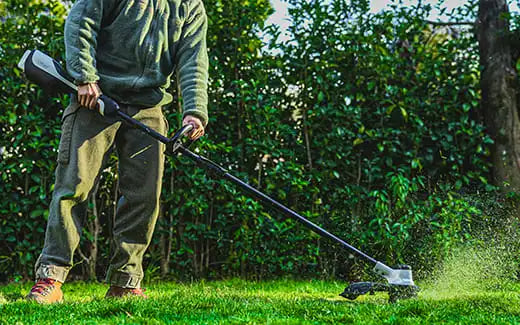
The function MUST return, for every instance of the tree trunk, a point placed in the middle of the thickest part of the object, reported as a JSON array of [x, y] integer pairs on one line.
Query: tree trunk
[[95, 231], [166, 242], [498, 84]]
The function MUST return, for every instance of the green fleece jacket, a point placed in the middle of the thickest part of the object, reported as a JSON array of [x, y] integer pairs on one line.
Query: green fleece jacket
[[132, 48]]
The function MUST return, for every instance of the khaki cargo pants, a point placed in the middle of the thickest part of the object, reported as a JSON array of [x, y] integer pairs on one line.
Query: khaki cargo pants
[[86, 140]]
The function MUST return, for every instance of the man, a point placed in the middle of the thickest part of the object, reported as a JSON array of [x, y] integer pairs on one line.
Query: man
[[128, 49]]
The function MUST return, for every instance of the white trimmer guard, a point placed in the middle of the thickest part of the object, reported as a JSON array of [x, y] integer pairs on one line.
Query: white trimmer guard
[[394, 276]]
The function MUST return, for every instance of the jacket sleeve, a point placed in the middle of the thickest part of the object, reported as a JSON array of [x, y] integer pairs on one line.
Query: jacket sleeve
[[81, 31], [192, 62]]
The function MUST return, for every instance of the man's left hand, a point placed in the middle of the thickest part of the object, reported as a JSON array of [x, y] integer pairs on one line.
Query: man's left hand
[[198, 128]]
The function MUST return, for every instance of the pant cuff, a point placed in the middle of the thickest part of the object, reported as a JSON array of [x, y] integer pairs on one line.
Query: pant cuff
[[58, 273], [123, 280]]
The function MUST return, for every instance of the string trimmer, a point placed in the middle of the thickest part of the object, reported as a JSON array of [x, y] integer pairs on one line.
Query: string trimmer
[[48, 73]]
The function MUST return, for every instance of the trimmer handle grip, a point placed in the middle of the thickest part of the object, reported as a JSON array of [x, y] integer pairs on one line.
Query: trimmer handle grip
[[107, 106], [176, 141], [182, 131]]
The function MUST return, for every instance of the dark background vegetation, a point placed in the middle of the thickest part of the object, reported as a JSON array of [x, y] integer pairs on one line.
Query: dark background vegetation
[[371, 125]]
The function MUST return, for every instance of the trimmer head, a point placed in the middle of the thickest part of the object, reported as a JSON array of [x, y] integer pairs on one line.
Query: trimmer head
[[395, 292], [400, 284]]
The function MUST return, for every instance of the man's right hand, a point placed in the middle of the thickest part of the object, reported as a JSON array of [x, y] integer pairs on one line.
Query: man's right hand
[[88, 95]]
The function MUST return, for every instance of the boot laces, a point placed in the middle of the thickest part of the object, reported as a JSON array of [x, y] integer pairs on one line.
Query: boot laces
[[43, 285]]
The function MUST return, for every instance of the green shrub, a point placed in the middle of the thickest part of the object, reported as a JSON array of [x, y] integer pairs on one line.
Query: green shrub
[[368, 125], [29, 123]]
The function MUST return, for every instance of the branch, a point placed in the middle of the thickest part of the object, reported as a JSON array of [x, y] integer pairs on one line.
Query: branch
[[83, 257], [450, 23]]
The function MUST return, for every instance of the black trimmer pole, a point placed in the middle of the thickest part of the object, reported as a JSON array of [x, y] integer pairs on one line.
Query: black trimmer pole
[[222, 172]]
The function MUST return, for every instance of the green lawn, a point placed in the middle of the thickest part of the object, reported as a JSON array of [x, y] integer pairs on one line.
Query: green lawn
[[272, 302]]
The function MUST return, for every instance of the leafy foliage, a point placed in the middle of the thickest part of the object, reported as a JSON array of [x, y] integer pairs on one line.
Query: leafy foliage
[[368, 124], [388, 116], [30, 135]]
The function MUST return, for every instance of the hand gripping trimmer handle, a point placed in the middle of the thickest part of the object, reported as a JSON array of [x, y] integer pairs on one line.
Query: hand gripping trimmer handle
[[50, 75]]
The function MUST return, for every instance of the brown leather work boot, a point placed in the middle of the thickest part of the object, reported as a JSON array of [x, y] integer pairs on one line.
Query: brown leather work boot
[[46, 291], [118, 292]]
